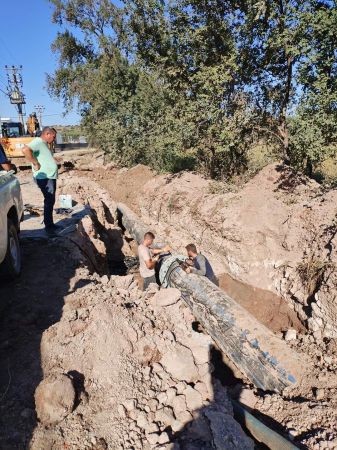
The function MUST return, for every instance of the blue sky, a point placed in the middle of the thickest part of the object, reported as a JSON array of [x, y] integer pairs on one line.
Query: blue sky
[[26, 35]]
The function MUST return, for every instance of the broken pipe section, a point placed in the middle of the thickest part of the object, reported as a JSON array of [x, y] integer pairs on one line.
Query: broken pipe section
[[260, 355]]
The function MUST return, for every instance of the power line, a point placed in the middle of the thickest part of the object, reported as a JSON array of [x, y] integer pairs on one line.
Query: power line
[[9, 52], [6, 93]]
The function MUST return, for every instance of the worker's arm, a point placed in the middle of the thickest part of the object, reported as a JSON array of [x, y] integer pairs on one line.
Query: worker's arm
[[30, 157], [150, 263], [202, 264], [157, 251], [9, 166]]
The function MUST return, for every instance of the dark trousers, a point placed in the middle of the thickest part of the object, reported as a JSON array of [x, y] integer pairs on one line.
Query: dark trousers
[[48, 189], [147, 281]]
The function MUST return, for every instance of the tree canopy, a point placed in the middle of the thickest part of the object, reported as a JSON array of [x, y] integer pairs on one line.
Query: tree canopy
[[194, 84]]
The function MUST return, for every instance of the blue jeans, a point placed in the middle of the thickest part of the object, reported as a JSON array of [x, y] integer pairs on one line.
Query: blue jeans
[[48, 189]]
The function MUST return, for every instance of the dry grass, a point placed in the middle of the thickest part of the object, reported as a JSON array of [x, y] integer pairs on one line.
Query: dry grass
[[312, 273], [327, 171]]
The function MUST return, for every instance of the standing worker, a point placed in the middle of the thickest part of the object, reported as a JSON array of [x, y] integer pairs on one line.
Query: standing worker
[[33, 125], [147, 259], [199, 264], [44, 169]]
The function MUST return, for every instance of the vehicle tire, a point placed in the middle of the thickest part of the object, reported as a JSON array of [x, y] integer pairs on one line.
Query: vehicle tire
[[11, 265]]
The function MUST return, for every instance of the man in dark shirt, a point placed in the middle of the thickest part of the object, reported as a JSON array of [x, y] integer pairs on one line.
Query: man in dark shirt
[[199, 264], [4, 163]]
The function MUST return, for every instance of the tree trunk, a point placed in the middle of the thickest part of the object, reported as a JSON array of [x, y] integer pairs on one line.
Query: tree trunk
[[283, 127]]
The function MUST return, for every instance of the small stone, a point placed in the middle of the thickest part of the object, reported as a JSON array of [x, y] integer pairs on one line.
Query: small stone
[[248, 398], [202, 388], [133, 414], [170, 395], [290, 335], [184, 417], [142, 420], [152, 438], [193, 398], [162, 398], [166, 297], [130, 404], [105, 280], [179, 363], [157, 368], [319, 394], [317, 335], [163, 438], [177, 426], [165, 416], [181, 386], [121, 411], [328, 359], [179, 404], [153, 404], [292, 433], [312, 324], [151, 428]]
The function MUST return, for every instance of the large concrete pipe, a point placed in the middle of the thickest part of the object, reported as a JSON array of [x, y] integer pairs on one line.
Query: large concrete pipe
[[259, 354]]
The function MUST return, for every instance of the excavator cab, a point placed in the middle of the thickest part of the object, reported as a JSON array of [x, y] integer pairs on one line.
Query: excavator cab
[[13, 138], [12, 129]]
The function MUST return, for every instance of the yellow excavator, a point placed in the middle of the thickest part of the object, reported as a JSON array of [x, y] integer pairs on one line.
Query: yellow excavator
[[13, 136]]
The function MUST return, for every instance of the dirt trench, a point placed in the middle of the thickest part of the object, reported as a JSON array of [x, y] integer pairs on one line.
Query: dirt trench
[[109, 346], [107, 364]]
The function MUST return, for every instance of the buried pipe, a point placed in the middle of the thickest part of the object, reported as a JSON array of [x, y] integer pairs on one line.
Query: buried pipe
[[259, 430], [260, 355]]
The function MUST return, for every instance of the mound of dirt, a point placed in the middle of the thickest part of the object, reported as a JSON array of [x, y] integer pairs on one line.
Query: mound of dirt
[[124, 185], [277, 233], [142, 375]]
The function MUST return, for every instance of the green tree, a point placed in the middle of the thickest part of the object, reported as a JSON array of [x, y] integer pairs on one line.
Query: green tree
[[194, 84]]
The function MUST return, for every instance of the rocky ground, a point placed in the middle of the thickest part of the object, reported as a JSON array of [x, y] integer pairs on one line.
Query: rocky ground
[[92, 362]]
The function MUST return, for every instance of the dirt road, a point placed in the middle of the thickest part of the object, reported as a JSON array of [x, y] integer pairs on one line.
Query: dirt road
[[29, 306]]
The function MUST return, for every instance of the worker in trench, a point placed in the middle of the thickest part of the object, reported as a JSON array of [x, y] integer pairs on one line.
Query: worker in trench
[[45, 172], [199, 264], [148, 257]]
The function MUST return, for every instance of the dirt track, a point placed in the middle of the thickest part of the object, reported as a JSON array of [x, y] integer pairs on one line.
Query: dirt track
[[29, 307]]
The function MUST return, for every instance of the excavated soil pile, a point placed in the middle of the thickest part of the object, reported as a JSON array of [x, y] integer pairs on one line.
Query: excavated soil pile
[[278, 232], [277, 235], [124, 369]]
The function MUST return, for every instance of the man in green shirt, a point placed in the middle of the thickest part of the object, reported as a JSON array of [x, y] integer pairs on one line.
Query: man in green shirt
[[44, 169]]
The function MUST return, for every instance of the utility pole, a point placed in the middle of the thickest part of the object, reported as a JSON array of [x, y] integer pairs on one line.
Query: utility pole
[[14, 89], [39, 110]]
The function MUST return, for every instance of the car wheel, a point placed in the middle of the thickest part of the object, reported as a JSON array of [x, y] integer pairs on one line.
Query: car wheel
[[11, 265]]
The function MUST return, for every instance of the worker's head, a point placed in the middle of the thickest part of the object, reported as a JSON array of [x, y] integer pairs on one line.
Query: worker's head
[[148, 239], [48, 134], [191, 250]]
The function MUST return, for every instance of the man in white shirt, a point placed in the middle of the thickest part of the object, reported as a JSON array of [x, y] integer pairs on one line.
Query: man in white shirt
[[147, 259]]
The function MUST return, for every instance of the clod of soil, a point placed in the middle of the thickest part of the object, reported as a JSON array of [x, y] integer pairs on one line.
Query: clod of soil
[[54, 399]]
